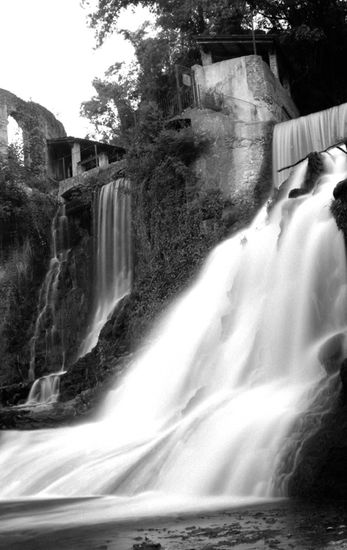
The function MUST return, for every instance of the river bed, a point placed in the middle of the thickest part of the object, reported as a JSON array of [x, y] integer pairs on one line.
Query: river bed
[[281, 525]]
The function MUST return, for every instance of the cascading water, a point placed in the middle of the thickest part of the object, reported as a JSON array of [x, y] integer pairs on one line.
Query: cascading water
[[207, 409], [46, 388], [295, 139], [113, 255]]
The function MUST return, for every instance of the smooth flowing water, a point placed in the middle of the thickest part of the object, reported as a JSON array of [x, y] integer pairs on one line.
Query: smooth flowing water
[[294, 139], [112, 257], [46, 388], [206, 410]]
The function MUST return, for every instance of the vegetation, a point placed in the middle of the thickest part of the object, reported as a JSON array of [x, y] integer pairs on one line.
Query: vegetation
[[25, 218], [312, 35]]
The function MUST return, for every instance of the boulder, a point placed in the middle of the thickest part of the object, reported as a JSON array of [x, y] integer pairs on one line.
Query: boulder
[[294, 193], [340, 191], [331, 353], [315, 168]]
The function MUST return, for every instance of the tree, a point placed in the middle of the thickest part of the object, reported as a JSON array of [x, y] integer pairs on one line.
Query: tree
[[312, 35], [189, 17]]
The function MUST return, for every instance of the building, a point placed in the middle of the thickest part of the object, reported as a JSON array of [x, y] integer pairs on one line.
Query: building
[[70, 156], [214, 49]]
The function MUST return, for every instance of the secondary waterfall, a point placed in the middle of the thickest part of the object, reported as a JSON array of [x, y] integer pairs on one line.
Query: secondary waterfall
[[207, 409], [294, 139], [46, 388], [112, 256]]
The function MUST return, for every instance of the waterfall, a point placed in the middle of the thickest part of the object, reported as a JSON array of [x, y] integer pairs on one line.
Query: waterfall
[[294, 139], [46, 389], [112, 255], [206, 410]]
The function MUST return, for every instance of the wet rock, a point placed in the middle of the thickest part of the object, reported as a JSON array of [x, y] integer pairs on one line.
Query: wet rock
[[294, 193], [14, 394], [331, 353], [314, 168], [313, 172], [147, 545], [229, 216], [340, 191]]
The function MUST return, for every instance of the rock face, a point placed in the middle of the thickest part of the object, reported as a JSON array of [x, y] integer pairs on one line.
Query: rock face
[[23, 263], [294, 193], [73, 301]]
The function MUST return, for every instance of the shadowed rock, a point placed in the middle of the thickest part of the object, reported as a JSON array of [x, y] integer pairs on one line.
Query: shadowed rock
[[340, 191], [294, 193], [331, 353]]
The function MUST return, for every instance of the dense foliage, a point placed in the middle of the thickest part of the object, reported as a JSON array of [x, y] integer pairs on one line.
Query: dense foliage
[[312, 36], [25, 218]]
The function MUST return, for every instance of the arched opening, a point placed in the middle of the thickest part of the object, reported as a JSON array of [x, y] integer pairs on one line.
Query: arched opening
[[15, 140]]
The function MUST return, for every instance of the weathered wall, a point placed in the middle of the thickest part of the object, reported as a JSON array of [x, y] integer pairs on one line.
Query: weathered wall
[[246, 89], [95, 177], [38, 125], [241, 102], [237, 159]]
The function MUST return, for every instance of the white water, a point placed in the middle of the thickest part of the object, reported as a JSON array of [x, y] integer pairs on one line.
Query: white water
[[207, 408], [113, 255], [45, 389], [294, 139]]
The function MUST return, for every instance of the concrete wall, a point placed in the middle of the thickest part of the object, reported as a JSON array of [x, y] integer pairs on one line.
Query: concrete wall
[[38, 125], [246, 89], [237, 159], [243, 101]]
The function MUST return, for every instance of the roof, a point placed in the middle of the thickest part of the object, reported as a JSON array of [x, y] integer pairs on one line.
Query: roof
[[237, 45], [82, 141]]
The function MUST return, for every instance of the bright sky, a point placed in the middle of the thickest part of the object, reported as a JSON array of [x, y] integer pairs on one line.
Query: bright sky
[[47, 55]]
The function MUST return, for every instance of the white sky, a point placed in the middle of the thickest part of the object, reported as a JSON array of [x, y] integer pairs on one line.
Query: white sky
[[47, 55]]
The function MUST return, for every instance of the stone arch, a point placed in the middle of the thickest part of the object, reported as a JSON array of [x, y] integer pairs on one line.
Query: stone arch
[[37, 124]]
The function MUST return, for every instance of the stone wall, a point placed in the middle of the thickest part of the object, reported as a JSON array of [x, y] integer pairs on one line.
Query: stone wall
[[37, 123]]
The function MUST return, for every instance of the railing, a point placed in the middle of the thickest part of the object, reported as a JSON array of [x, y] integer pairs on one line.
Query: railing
[[174, 106]]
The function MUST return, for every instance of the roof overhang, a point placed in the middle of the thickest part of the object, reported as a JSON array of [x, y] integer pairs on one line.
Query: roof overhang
[[237, 45]]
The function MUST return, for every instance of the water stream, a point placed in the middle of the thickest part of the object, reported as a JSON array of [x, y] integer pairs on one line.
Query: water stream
[[45, 389], [112, 256], [205, 411]]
